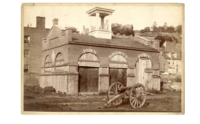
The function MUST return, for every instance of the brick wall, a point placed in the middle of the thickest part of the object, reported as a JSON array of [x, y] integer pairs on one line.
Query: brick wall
[[35, 46]]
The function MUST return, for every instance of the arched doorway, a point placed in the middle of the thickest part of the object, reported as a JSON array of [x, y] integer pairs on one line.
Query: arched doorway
[[88, 73], [118, 69], [143, 70]]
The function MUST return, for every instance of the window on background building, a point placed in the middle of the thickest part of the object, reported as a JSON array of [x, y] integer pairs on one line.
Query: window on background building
[[26, 39], [169, 55], [26, 53], [164, 67], [26, 67], [168, 62], [175, 55]]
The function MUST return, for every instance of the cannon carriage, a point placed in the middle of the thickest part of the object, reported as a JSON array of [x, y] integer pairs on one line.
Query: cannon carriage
[[118, 94]]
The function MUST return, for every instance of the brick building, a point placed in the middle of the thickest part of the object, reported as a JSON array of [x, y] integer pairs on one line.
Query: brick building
[[76, 63], [32, 49]]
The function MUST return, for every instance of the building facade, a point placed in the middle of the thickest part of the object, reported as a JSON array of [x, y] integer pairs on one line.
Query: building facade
[[170, 59], [170, 55], [76, 64], [32, 49]]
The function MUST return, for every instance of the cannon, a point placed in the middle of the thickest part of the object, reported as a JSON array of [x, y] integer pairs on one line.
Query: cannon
[[118, 94]]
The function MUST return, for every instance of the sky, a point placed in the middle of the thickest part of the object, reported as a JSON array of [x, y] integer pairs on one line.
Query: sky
[[140, 16]]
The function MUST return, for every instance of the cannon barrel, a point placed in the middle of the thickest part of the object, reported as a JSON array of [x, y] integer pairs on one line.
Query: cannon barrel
[[123, 89]]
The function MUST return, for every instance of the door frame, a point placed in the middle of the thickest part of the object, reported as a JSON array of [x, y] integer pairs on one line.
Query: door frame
[[136, 73], [117, 68], [97, 82]]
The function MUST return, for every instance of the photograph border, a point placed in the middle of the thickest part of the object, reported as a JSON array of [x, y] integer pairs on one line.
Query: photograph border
[[103, 113]]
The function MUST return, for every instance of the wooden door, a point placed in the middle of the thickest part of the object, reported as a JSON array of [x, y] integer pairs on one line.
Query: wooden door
[[118, 75], [88, 79], [141, 76]]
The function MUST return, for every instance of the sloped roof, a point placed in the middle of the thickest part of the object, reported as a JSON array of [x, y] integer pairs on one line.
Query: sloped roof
[[172, 57], [61, 28], [118, 42], [148, 38], [57, 26]]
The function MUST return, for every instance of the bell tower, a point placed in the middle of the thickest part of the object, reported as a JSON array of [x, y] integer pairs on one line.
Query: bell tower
[[100, 28]]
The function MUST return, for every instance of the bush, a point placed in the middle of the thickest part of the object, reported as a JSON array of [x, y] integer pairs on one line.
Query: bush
[[33, 89], [178, 78], [154, 91], [38, 90], [49, 89]]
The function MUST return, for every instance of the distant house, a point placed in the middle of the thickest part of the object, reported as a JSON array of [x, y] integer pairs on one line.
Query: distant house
[[172, 55], [170, 52]]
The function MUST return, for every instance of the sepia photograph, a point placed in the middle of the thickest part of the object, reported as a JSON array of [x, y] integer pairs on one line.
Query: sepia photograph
[[102, 58]]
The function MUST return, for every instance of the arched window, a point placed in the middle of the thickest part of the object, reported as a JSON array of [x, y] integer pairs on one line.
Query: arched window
[[47, 62], [118, 61], [59, 59], [89, 59]]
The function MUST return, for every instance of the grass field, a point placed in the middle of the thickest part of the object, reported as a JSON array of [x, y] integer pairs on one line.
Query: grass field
[[169, 101]]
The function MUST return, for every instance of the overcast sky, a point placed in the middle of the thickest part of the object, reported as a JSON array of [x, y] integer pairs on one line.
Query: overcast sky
[[139, 16]]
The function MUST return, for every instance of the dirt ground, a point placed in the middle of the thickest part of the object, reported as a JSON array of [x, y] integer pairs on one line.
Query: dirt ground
[[161, 102]]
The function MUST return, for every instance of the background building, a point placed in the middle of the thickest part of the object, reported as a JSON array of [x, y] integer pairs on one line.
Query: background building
[[172, 55], [32, 50]]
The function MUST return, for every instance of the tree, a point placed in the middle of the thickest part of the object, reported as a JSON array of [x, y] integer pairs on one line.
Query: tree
[[129, 32], [160, 29], [179, 29], [74, 30], [126, 29], [171, 29], [165, 27], [154, 27], [146, 29], [162, 40], [116, 28], [122, 31], [167, 38]]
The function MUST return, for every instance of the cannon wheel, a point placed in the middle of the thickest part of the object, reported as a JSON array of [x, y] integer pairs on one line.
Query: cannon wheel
[[137, 96], [113, 92]]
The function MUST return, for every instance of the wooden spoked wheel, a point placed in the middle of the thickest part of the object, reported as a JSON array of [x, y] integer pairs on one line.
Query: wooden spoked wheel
[[137, 96], [113, 93]]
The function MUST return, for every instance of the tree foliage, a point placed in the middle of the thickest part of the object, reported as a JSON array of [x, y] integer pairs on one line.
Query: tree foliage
[[74, 30], [122, 29], [164, 28], [146, 29], [165, 38], [179, 29]]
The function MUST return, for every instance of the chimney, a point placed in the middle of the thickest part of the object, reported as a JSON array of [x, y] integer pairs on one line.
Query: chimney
[[55, 21], [40, 22]]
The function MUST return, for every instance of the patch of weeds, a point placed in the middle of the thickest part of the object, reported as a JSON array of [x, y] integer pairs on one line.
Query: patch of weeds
[[154, 91], [28, 97]]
